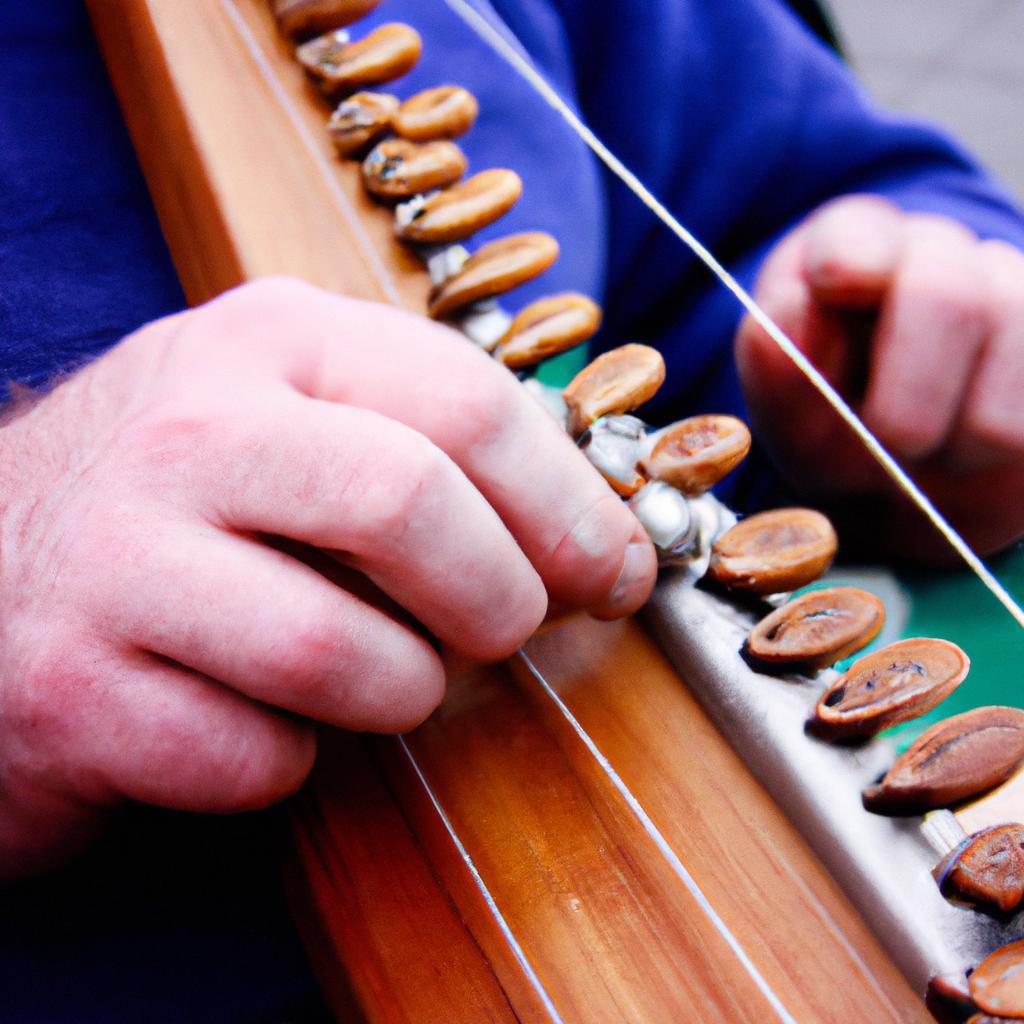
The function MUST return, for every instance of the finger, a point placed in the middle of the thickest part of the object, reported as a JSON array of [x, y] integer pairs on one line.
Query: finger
[[146, 729], [852, 250], [562, 515], [276, 630], [794, 422], [391, 503], [929, 334], [990, 431]]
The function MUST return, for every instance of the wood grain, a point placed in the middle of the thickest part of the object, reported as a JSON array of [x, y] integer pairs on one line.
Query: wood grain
[[565, 863], [489, 867], [231, 139]]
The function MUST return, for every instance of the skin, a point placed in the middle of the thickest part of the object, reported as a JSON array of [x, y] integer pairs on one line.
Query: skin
[[921, 326], [267, 512], [276, 509]]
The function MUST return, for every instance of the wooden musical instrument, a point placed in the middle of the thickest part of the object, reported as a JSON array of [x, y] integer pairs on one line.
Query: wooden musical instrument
[[569, 837]]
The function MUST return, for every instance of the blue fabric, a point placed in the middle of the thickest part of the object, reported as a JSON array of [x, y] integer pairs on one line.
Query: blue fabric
[[82, 260], [736, 116]]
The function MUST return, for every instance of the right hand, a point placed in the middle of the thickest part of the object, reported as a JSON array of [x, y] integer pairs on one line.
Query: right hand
[[170, 624]]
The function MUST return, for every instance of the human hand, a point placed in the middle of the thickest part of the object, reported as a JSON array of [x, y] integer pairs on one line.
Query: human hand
[[921, 327], [170, 622]]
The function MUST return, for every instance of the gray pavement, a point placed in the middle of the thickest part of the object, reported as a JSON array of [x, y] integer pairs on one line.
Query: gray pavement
[[958, 62]]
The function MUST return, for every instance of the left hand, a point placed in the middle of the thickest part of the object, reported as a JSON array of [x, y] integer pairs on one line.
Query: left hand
[[921, 327]]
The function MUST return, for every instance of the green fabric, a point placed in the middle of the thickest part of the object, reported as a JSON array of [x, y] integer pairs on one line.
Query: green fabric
[[955, 606]]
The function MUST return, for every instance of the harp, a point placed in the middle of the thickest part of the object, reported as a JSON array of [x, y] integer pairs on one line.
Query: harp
[[571, 836]]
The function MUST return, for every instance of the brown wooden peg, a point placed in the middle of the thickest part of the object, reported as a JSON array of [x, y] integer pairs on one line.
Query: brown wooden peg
[[775, 551], [817, 629], [360, 121], [442, 113], [997, 983], [986, 871], [459, 211], [894, 684], [494, 269], [694, 454], [951, 762], [615, 382], [302, 19], [399, 169], [339, 66], [546, 328]]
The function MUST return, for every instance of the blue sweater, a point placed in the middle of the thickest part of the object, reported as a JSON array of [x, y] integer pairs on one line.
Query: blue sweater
[[729, 109], [734, 114]]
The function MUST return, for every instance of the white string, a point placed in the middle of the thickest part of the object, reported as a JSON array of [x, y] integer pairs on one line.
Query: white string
[[492, 904], [324, 168], [499, 44], [664, 848]]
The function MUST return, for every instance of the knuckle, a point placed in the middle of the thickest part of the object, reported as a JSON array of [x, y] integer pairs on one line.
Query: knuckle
[[267, 765], [174, 433], [419, 476], [951, 294], [42, 706], [274, 294], [937, 231], [484, 404], [303, 663]]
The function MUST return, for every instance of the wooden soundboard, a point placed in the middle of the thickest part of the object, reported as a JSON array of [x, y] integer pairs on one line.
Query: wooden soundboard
[[568, 837]]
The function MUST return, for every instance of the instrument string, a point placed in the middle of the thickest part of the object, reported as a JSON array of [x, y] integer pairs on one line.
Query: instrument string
[[323, 166], [514, 56], [664, 848], [492, 905]]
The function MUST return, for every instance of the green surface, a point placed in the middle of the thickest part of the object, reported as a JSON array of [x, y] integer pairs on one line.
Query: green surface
[[956, 606], [559, 371]]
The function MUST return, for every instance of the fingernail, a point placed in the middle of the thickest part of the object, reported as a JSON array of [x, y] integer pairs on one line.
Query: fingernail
[[634, 577]]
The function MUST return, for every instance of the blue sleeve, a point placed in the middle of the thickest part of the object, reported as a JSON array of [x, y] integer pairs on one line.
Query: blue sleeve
[[82, 260], [742, 122]]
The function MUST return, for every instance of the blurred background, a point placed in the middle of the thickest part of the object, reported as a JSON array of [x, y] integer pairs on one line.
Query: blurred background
[[959, 64], [951, 61]]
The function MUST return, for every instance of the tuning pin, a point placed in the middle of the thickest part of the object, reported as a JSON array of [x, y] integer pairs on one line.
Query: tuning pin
[[494, 269], [400, 169], [614, 445], [668, 519], [483, 323], [442, 113], [339, 65], [361, 120], [694, 454], [459, 211], [548, 327], [615, 382], [301, 19]]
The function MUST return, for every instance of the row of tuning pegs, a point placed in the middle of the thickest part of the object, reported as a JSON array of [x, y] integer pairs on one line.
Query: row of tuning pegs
[[409, 160]]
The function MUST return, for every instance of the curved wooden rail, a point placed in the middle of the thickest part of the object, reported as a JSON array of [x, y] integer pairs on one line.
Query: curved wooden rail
[[568, 837]]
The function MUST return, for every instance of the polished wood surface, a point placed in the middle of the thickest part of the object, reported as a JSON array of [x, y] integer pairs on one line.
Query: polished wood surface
[[576, 875], [231, 140], [590, 850]]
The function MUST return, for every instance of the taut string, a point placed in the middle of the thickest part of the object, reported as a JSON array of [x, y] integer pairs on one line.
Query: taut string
[[513, 55]]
